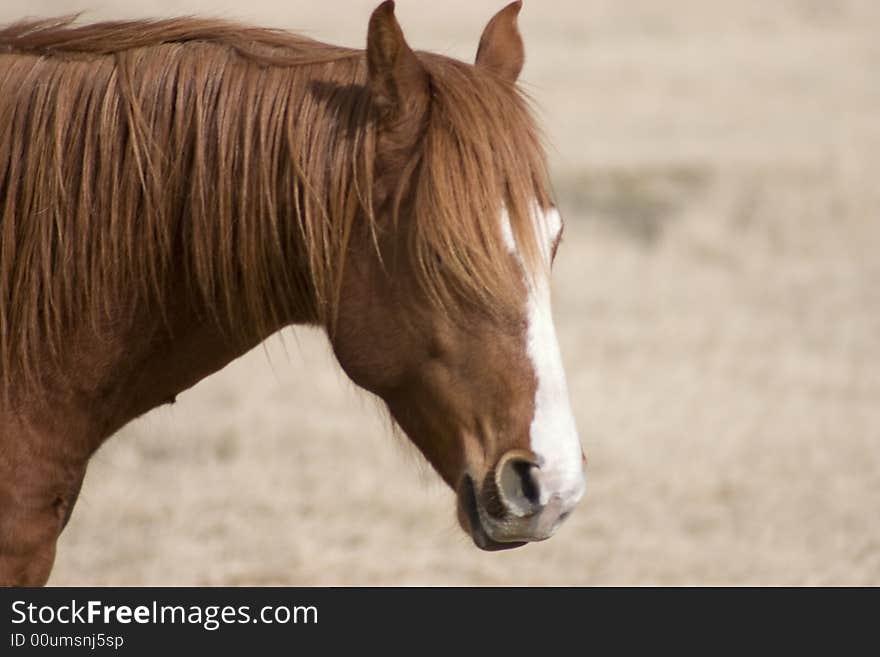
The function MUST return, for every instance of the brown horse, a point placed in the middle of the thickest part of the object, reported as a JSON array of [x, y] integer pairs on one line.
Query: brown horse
[[172, 192]]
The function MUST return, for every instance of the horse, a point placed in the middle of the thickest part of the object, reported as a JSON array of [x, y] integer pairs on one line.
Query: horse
[[175, 191]]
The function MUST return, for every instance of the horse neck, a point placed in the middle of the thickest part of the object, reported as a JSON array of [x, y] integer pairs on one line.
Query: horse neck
[[297, 196], [152, 348], [190, 339]]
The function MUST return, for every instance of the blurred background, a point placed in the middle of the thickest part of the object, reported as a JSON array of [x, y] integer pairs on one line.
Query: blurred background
[[717, 298]]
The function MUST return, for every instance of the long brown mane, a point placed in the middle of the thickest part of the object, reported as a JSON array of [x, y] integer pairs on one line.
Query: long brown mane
[[131, 149]]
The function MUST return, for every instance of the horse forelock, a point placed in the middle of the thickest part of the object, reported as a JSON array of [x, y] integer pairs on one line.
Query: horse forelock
[[244, 156]]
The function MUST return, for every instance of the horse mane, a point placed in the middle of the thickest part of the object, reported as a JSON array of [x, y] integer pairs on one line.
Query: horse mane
[[130, 148]]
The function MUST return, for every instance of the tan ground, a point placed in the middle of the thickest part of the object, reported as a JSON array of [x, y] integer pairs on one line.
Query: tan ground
[[717, 299]]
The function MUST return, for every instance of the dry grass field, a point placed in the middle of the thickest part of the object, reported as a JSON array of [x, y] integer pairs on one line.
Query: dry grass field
[[717, 298]]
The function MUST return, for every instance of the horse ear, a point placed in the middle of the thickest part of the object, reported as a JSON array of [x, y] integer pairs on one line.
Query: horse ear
[[501, 46], [396, 76]]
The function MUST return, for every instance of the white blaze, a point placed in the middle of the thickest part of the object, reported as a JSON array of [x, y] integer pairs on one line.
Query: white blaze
[[553, 433]]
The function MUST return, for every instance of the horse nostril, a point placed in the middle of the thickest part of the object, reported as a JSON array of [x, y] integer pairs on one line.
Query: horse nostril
[[518, 485], [527, 481]]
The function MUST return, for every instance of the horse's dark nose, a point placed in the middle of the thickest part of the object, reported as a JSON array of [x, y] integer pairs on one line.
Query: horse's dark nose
[[534, 498]]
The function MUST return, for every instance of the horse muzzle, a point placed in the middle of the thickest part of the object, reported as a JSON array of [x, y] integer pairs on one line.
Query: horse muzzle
[[518, 502]]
